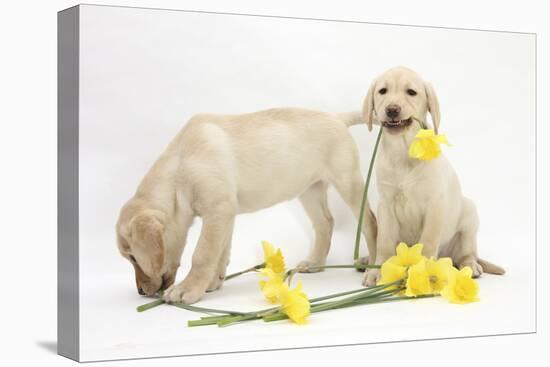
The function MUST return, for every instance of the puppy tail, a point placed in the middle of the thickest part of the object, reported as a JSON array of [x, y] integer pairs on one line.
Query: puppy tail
[[490, 267], [351, 118]]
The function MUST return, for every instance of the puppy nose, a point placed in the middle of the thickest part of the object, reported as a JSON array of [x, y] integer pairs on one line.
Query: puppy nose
[[393, 110], [141, 292]]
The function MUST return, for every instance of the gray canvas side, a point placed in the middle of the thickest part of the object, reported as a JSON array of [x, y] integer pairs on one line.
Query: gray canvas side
[[67, 183]]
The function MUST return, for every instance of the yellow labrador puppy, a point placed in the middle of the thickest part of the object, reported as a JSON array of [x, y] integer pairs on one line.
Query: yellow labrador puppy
[[221, 165], [420, 201]]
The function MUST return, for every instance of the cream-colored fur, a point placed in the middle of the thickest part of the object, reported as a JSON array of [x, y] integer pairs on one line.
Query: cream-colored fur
[[419, 201], [221, 165]]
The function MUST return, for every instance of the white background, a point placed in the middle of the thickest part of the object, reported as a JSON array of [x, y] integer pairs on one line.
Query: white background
[[35, 200], [145, 72]]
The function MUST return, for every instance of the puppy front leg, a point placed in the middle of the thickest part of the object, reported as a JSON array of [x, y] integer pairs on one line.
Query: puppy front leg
[[388, 232], [217, 226], [219, 275], [431, 232]]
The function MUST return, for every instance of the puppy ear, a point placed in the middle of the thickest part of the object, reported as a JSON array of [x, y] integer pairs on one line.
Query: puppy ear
[[433, 106], [368, 106], [148, 233]]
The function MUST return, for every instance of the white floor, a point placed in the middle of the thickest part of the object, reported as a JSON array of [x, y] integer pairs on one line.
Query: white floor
[[112, 329]]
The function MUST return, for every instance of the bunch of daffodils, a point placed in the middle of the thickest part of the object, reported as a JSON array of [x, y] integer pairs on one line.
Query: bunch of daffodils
[[417, 275], [406, 275]]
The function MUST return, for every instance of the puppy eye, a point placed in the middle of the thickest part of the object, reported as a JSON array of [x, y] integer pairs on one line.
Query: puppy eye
[[382, 91], [132, 259], [411, 92]]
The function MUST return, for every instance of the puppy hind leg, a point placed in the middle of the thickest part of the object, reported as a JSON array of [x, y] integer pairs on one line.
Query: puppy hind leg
[[463, 254], [468, 247], [464, 251], [315, 203]]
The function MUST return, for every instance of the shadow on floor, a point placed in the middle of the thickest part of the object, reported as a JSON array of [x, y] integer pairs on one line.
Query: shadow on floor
[[48, 345]]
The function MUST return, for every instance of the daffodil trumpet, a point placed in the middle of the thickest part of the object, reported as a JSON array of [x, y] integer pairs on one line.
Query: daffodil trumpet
[[426, 144]]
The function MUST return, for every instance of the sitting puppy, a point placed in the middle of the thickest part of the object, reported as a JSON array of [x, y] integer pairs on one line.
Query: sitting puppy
[[221, 165], [420, 201]]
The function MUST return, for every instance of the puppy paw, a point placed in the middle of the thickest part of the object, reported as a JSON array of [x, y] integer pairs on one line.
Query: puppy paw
[[477, 270], [362, 261], [372, 276], [183, 293], [308, 266], [216, 283], [192, 296]]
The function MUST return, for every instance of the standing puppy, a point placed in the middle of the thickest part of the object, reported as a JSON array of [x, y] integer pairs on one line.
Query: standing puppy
[[420, 201], [221, 165]]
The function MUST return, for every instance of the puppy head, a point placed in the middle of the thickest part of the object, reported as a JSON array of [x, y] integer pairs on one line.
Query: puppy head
[[141, 240], [398, 95]]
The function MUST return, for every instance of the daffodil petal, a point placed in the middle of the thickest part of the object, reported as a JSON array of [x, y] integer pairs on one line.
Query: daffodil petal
[[425, 133], [268, 249]]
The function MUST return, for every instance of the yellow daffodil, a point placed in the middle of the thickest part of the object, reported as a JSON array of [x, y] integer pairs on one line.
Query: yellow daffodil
[[428, 276], [271, 287], [438, 271], [391, 272], [461, 288], [407, 256], [295, 304], [426, 145], [273, 259], [418, 280]]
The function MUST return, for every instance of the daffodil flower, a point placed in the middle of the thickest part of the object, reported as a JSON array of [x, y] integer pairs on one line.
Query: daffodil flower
[[438, 271], [391, 272], [407, 256], [274, 260], [418, 280], [426, 145], [428, 276], [294, 303], [461, 288], [271, 287]]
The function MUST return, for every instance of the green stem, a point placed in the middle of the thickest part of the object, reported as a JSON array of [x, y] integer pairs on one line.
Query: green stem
[[267, 312], [206, 310], [293, 271], [354, 266], [281, 316], [254, 268], [422, 123], [160, 301], [150, 305], [363, 291], [365, 194], [386, 296], [193, 323], [230, 320], [329, 305]]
